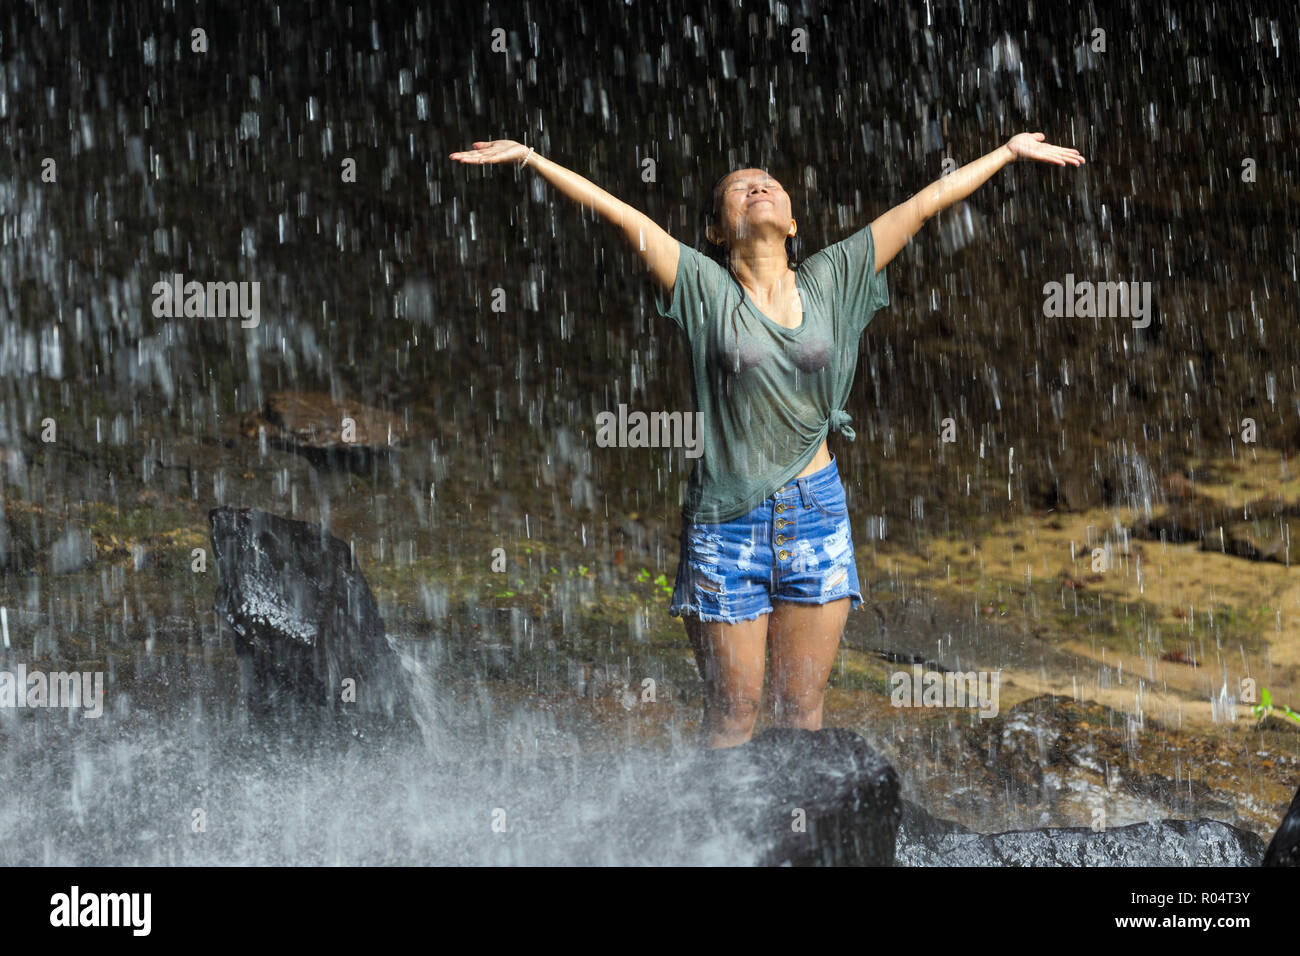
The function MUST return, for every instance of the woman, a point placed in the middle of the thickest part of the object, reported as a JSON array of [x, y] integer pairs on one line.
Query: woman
[[767, 555]]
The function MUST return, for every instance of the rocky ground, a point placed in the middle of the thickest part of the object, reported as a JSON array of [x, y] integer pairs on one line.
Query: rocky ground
[[1121, 680]]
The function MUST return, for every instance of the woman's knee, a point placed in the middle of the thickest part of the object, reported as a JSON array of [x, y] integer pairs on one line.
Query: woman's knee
[[737, 709], [796, 706]]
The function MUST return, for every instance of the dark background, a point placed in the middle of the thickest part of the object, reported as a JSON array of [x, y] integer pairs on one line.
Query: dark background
[[225, 165]]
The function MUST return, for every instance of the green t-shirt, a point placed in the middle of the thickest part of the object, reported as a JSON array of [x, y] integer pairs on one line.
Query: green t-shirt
[[768, 395]]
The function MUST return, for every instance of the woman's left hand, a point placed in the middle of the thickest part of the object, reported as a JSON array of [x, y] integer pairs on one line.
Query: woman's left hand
[[1031, 146]]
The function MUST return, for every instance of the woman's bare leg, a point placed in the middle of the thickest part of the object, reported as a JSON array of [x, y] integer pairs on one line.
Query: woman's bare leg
[[804, 639], [731, 658]]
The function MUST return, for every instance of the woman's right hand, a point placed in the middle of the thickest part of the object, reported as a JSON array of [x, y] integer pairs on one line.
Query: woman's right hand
[[494, 151], [659, 251]]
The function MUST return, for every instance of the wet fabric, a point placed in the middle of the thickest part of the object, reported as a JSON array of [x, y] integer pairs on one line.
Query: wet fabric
[[767, 395], [796, 546]]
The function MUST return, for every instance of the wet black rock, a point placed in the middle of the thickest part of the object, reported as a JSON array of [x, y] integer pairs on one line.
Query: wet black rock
[[925, 840], [1284, 849], [846, 792], [304, 618], [786, 798]]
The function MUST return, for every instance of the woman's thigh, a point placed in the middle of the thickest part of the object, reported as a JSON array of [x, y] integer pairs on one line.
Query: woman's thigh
[[804, 639], [731, 660], [815, 587]]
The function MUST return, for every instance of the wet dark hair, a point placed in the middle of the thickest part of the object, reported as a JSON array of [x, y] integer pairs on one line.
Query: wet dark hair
[[718, 253]]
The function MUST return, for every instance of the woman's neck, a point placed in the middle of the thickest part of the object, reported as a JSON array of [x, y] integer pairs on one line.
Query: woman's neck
[[766, 275]]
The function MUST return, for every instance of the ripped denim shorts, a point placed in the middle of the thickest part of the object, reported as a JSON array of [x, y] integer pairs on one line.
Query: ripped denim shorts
[[795, 546]]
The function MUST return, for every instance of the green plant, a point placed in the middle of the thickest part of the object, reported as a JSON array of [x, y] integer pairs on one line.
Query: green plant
[[1266, 707]]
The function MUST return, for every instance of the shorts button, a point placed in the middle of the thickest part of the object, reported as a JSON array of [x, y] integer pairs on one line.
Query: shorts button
[[783, 554], [780, 539], [780, 508], [780, 523]]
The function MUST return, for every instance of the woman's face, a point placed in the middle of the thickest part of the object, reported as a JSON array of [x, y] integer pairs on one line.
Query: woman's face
[[752, 204]]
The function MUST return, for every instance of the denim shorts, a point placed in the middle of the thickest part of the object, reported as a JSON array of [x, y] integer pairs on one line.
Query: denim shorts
[[795, 546]]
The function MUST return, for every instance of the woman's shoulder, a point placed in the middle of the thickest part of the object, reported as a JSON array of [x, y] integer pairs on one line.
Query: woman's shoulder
[[706, 270], [840, 260], [855, 242]]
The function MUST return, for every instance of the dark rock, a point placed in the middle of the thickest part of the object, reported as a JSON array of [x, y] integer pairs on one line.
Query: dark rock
[[1284, 848], [1091, 474], [17, 552], [924, 840], [1062, 490], [312, 425], [1053, 759], [1257, 531], [920, 832], [1044, 751], [1267, 540], [847, 792], [1184, 521], [304, 618]]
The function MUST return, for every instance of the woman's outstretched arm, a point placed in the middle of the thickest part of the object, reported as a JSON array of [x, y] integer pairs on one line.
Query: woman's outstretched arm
[[892, 230], [656, 247]]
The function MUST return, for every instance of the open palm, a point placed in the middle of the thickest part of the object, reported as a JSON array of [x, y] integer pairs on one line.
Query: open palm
[[1032, 146], [494, 151]]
